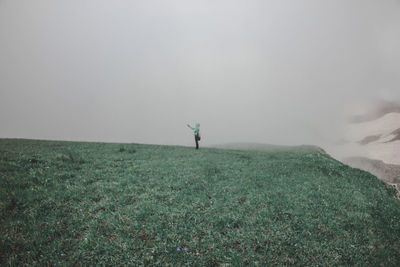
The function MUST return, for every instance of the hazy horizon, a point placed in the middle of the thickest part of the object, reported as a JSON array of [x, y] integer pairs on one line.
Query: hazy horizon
[[277, 72]]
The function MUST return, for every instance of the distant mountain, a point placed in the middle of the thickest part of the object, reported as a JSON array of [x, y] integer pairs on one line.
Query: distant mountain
[[383, 130], [374, 110], [396, 135], [373, 137]]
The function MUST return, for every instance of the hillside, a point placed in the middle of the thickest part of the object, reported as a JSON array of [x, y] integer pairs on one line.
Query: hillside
[[269, 148], [75, 203]]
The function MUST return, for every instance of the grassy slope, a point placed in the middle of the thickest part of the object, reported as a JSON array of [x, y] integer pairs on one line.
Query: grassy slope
[[90, 203]]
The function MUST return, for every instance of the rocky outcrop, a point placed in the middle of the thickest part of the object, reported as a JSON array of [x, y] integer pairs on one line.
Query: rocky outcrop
[[389, 173]]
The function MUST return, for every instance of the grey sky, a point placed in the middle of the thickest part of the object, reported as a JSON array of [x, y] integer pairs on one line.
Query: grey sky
[[137, 71]]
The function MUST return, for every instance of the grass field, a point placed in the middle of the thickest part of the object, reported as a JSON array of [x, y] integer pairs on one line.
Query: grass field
[[75, 203]]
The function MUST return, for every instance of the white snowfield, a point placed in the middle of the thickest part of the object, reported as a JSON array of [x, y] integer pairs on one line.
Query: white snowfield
[[379, 132]]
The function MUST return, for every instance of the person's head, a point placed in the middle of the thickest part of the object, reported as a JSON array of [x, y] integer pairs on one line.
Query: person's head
[[197, 125]]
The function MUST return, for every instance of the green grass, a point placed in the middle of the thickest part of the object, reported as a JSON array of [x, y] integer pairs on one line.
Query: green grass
[[75, 203]]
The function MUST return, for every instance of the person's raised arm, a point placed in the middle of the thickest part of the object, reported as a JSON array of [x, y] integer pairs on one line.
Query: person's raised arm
[[190, 126]]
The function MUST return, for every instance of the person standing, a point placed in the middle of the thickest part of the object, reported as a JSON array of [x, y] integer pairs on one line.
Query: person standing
[[196, 131]]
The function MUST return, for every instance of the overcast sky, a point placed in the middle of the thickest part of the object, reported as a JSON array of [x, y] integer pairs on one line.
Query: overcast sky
[[278, 72]]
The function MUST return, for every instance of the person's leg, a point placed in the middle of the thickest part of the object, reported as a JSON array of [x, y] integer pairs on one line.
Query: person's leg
[[197, 142]]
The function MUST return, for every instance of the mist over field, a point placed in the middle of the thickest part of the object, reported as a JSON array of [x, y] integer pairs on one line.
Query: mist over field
[[299, 111], [278, 72]]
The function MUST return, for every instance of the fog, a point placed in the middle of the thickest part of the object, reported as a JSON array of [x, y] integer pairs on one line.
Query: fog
[[278, 72]]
